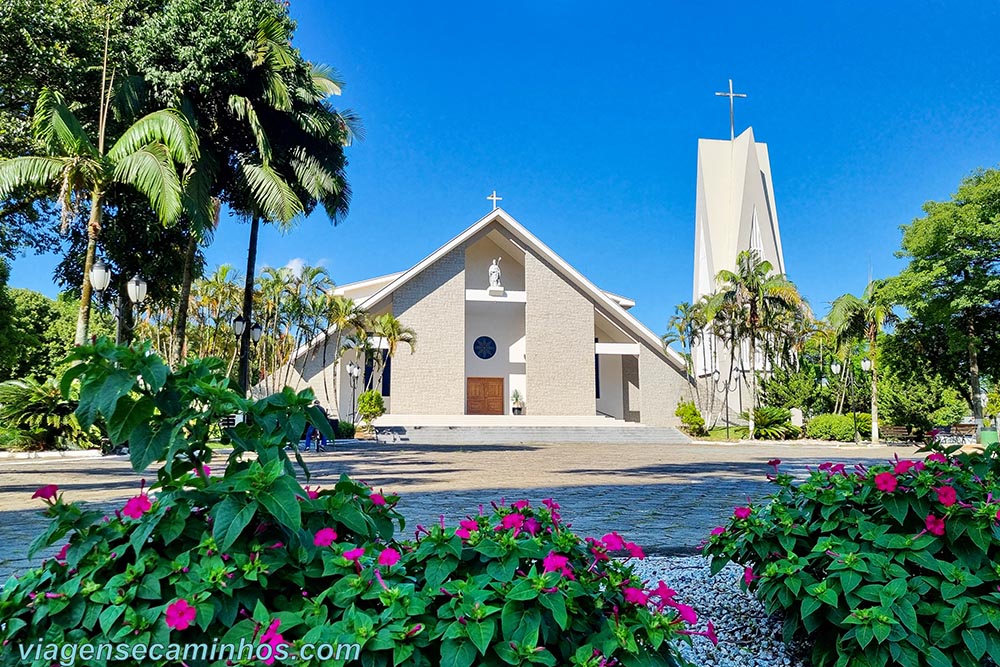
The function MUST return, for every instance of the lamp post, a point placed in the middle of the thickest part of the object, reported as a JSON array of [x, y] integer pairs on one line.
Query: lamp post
[[136, 288], [727, 386], [835, 367], [353, 373], [255, 333]]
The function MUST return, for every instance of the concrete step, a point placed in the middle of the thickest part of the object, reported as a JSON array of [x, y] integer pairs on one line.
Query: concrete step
[[506, 421], [486, 435]]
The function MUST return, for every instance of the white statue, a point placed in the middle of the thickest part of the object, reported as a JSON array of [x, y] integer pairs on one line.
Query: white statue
[[495, 273]]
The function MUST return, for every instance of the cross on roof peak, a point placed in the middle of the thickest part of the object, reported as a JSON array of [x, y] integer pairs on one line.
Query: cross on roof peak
[[493, 198], [731, 95]]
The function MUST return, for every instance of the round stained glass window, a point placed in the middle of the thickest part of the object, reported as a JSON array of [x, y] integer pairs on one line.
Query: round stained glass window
[[484, 347]]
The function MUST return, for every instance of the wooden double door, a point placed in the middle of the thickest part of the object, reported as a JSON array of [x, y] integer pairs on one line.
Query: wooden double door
[[484, 396]]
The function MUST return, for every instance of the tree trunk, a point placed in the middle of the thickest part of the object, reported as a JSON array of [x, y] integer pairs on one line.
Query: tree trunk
[[874, 397], [974, 389], [93, 231], [244, 346], [179, 329]]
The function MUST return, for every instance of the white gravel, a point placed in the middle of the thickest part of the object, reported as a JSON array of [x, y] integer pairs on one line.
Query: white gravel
[[748, 637]]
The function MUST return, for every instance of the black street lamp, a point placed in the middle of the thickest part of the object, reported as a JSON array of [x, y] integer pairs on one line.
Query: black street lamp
[[353, 373], [727, 386], [136, 288], [835, 367], [256, 331]]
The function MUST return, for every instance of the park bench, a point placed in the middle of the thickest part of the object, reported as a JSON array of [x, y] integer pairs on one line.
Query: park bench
[[898, 434], [958, 434]]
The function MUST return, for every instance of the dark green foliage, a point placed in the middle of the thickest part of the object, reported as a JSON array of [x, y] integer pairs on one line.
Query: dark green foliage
[[42, 418], [345, 430], [248, 550], [691, 418], [769, 424], [797, 388], [911, 391], [370, 406], [839, 427], [895, 565], [42, 334]]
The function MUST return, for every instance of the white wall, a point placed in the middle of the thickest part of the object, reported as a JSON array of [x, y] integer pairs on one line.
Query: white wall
[[611, 402], [504, 323]]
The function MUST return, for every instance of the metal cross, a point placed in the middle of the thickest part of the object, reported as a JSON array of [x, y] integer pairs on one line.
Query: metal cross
[[493, 198], [731, 95]]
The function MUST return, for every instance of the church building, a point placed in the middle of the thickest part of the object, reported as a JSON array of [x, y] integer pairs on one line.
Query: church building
[[495, 312]]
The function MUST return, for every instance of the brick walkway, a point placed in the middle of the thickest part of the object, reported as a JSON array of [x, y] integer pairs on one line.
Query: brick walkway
[[666, 498]]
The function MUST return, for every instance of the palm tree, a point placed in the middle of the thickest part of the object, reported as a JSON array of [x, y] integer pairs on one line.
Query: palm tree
[[146, 157], [862, 320], [393, 334], [342, 315], [755, 296]]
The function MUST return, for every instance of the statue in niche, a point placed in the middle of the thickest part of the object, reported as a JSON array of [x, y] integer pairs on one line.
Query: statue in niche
[[495, 273]]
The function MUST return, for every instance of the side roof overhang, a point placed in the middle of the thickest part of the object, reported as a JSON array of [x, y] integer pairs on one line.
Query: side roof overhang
[[608, 305]]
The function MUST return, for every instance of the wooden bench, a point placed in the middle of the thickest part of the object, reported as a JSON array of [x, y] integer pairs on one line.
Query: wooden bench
[[963, 433], [898, 434]]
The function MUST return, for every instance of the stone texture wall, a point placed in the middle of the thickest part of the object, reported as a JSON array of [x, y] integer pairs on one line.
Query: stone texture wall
[[559, 343], [432, 379], [662, 386]]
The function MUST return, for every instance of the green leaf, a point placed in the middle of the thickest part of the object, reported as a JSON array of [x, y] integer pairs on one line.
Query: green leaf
[[281, 500], [849, 580], [456, 653], [129, 414], [522, 590], [810, 605], [146, 446], [237, 525], [898, 507], [109, 616], [481, 632], [555, 602], [935, 658], [975, 641]]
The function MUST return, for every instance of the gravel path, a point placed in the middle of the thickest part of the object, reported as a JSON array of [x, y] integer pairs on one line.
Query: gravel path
[[748, 637]]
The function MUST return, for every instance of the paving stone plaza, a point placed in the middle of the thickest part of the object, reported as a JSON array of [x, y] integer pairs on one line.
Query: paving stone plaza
[[664, 497]]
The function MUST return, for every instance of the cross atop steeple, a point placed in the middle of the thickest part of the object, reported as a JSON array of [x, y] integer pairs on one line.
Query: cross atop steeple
[[731, 95], [493, 198]]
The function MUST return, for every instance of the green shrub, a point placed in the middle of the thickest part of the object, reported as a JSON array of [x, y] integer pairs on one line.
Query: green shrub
[[43, 417], [896, 564], [345, 430], [769, 424], [250, 555], [839, 427], [691, 419], [370, 406]]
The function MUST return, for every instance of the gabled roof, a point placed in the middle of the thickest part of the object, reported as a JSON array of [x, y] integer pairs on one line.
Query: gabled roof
[[610, 303]]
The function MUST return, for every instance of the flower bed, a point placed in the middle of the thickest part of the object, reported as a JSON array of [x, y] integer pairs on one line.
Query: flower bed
[[252, 557], [896, 564]]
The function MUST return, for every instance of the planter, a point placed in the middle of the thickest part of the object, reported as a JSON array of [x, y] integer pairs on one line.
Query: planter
[[516, 410]]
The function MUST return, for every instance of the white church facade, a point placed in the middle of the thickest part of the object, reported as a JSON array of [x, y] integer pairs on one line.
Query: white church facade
[[495, 311]]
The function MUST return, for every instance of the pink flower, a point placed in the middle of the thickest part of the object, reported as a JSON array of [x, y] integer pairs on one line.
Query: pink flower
[[520, 505], [463, 533], [469, 524], [377, 499], [205, 470], [514, 521], [748, 575], [742, 512], [636, 596], [137, 506], [886, 481], [635, 550], [836, 469], [935, 526], [180, 615], [532, 526], [354, 554], [273, 638], [710, 633], [325, 537], [554, 562], [686, 612], [62, 552], [551, 504], [946, 495], [718, 530], [312, 493], [774, 463], [613, 541], [937, 457], [388, 557], [47, 492], [903, 467]]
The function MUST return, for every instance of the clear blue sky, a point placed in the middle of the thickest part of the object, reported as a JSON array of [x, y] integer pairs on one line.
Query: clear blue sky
[[585, 117]]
